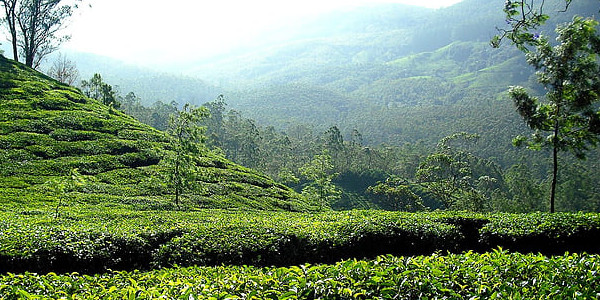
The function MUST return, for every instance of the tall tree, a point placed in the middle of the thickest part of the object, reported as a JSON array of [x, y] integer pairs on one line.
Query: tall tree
[[319, 172], [34, 27], [447, 172], [187, 137], [456, 177], [10, 19], [398, 194], [569, 113], [215, 123], [242, 141], [98, 89]]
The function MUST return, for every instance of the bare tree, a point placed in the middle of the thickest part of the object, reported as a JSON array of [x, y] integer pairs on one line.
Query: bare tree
[[64, 70], [34, 27], [10, 10]]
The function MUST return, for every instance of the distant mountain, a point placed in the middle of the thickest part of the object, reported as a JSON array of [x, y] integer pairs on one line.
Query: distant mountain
[[48, 129], [361, 37], [361, 69], [383, 58]]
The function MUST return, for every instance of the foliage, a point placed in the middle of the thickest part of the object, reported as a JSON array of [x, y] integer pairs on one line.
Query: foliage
[[464, 276], [47, 129], [447, 172], [34, 26], [64, 185], [398, 193], [97, 89], [525, 191], [569, 73], [526, 19], [451, 176], [103, 235], [186, 143], [320, 188], [522, 17]]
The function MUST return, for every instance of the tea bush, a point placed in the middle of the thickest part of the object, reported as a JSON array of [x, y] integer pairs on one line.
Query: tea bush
[[495, 275], [163, 238]]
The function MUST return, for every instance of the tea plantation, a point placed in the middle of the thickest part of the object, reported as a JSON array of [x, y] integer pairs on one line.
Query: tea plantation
[[48, 130], [229, 254], [110, 230]]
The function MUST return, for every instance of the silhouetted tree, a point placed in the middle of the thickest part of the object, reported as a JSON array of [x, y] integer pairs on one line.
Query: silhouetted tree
[[34, 27]]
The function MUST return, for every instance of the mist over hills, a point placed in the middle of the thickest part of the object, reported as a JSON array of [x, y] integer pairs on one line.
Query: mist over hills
[[360, 69]]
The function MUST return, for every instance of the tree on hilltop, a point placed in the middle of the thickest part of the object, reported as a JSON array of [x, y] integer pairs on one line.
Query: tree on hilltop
[[97, 89], [64, 70], [34, 27]]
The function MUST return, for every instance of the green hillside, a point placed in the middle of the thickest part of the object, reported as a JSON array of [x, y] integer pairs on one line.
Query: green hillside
[[49, 130], [381, 57]]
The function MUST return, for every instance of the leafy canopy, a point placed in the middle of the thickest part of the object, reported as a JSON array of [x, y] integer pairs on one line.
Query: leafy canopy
[[569, 113], [569, 72], [187, 138], [319, 172]]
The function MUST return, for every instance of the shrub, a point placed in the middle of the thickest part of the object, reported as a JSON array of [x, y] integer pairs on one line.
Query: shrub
[[464, 276]]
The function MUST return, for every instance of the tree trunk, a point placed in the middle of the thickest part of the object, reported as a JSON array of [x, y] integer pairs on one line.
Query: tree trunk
[[554, 164], [11, 20], [31, 45], [177, 182], [15, 49], [554, 178]]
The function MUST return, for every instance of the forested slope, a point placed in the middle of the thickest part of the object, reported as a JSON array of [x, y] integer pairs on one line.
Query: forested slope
[[378, 87], [364, 68]]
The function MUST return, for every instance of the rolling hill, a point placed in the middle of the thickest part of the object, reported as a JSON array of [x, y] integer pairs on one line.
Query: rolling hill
[[48, 130]]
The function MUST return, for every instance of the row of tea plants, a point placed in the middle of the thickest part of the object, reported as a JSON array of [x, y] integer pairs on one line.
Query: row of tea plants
[[88, 238], [493, 275]]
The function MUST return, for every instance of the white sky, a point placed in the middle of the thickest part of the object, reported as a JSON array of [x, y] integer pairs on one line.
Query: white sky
[[142, 31]]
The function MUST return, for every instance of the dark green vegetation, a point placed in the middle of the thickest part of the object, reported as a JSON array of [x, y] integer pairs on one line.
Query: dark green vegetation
[[395, 73], [93, 239], [466, 276], [47, 130], [569, 72]]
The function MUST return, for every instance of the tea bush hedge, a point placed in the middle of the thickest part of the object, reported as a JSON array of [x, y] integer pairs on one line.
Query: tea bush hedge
[[88, 239], [495, 275]]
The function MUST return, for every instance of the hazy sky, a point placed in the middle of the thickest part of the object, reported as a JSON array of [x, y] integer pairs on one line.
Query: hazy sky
[[143, 31]]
